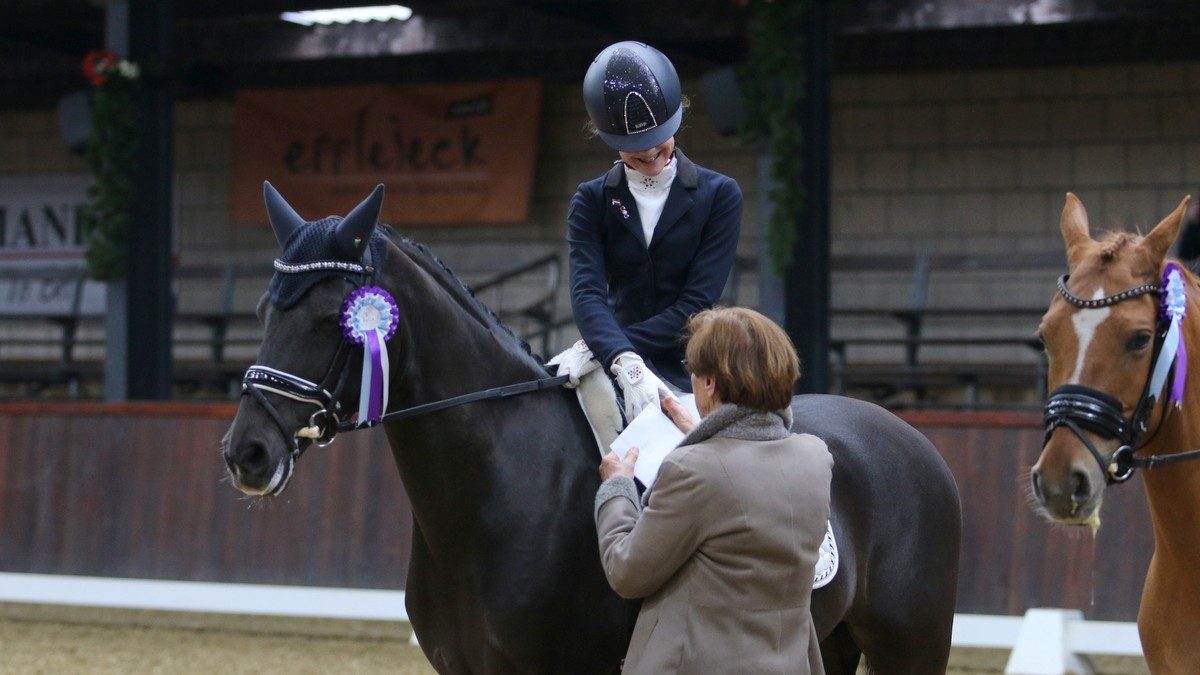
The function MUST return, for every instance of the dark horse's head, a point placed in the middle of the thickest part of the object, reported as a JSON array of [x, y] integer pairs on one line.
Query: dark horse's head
[[303, 379], [1102, 332]]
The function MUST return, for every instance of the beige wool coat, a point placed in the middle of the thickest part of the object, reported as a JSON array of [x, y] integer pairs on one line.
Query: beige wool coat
[[724, 549]]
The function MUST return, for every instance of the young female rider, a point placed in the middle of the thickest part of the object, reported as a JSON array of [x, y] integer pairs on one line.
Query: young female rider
[[652, 239]]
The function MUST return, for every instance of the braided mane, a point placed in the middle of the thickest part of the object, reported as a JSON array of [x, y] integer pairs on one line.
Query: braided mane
[[420, 254], [1113, 242]]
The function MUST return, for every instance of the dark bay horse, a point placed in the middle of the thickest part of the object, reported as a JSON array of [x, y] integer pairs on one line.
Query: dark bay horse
[[1106, 329], [505, 576]]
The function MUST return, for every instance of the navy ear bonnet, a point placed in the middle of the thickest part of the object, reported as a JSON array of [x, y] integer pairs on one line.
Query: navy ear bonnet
[[312, 243], [351, 248]]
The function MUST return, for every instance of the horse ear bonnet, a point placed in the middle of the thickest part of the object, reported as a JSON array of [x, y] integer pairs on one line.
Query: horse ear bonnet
[[329, 239]]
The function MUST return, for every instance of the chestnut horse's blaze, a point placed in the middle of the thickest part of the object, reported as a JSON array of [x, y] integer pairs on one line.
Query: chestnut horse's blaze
[[1117, 335]]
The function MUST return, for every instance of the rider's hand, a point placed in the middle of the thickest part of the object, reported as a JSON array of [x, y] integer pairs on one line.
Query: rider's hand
[[681, 416], [612, 465], [575, 362], [640, 386]]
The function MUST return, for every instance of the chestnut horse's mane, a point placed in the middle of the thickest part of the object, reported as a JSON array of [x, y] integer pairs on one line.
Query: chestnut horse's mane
[[1112, 243]]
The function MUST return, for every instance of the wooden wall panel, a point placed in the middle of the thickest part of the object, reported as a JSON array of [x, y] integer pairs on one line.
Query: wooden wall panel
[[139, 491], [133, 492], [1012, 559]]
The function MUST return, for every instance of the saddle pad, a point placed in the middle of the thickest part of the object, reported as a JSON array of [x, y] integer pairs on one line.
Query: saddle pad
[[827, 560]]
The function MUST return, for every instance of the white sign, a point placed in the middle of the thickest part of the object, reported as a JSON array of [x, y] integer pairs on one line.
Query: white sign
[[39, 217], [40, 229]]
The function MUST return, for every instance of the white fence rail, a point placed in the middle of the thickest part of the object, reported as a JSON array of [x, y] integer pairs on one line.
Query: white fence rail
[[1047, 641], [1043, 642]]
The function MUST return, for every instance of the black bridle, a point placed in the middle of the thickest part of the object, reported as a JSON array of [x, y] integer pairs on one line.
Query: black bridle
[[1081, 408], [325, 424]]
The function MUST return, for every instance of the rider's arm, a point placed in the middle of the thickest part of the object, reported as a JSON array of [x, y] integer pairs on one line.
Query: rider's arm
[[589, 280], [640, 554], [706, 276]]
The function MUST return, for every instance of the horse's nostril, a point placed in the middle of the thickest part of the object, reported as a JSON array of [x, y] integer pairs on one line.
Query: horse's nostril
[[254, 459], [1037, 486], [1081, 489]]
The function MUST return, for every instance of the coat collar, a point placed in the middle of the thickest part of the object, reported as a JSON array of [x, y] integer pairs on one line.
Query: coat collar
[[679, 200], [685, 173]]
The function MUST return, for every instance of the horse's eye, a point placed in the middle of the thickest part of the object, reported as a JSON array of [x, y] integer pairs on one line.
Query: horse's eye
[[1139, 341]]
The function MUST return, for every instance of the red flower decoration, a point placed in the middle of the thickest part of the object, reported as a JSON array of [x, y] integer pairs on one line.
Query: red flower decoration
[[97, 64]]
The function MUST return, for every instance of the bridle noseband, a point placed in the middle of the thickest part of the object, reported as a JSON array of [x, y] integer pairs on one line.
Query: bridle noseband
[[1081, 408]]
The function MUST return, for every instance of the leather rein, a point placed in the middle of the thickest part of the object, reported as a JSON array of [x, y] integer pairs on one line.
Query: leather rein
[[1081, 408], [325, 424]]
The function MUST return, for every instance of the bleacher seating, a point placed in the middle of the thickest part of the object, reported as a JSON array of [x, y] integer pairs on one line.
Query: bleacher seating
[[57, 347]]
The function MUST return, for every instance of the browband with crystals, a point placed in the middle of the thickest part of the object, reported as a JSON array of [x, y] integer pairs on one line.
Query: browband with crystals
[[288, 268], [1104, 302]]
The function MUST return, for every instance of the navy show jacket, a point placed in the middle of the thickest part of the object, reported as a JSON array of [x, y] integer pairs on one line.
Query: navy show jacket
[[627, 297]]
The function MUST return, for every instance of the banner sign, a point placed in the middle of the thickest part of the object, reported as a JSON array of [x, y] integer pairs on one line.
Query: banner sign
[[41, 246], [447, 153]]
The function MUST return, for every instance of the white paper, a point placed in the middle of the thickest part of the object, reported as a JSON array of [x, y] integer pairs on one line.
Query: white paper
[[654, 435]]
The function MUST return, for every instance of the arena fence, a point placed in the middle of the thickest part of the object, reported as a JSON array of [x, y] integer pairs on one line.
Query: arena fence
[[137, 491], [1043, 642]]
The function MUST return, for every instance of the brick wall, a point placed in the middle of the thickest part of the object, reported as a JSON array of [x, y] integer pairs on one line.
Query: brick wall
[[978, 162]]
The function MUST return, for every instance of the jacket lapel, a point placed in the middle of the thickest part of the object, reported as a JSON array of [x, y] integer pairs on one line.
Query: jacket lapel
[[679, 200], [617, 194]]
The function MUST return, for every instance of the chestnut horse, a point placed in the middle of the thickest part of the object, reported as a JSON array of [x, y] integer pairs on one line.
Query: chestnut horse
[[1117, 377]]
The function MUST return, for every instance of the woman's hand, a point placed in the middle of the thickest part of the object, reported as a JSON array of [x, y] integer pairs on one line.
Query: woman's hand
[[680, 415], [612, 465]]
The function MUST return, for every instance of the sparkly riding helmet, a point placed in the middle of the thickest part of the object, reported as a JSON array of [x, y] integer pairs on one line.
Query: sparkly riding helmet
[[633, 96]]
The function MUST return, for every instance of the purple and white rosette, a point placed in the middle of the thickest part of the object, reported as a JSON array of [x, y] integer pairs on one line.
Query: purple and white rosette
[[1174, 351], [369, 318]]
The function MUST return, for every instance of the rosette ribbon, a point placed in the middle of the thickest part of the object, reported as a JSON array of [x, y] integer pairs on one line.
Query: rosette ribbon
[[369, 319], [1174, 351]]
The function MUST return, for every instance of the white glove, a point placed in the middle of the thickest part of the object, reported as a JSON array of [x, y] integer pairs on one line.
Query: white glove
[[576, 362], [639, 384]]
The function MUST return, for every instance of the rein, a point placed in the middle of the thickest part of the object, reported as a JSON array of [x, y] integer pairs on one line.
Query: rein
[[325, 424], [1081, 408], [484, 395]]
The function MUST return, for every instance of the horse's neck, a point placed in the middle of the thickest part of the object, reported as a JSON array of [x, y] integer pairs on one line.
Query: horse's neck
[[449, 348], [1173, 491], [451, 461]]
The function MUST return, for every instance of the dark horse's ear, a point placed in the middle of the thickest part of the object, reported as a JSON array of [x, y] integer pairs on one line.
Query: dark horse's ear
[[284, 219], [354, 232], [1159, 240], [1074, 224]]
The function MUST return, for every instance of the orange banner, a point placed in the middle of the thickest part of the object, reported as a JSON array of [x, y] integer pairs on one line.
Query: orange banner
[[448, 153]]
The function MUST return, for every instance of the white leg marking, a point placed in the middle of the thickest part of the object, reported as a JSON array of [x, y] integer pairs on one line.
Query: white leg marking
[[1085, 322]]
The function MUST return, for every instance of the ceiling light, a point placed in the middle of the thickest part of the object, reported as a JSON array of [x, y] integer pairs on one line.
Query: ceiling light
[[349, 14]]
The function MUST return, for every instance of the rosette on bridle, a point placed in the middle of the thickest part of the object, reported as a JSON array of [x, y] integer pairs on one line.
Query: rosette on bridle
[[369, 320], [1174, 351]]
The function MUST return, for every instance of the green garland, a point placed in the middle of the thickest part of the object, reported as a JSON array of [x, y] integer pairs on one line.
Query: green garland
[[772, 83], [111, 153]]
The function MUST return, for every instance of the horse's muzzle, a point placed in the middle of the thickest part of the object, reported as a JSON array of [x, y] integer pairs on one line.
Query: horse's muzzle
[[258, 463], [1067, 482]]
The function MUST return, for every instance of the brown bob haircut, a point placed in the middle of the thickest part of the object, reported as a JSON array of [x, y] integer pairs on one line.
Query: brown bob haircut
[[752, 360]]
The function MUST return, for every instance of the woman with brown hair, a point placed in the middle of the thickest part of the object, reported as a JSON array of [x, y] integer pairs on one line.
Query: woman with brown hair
[[724, 547]]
